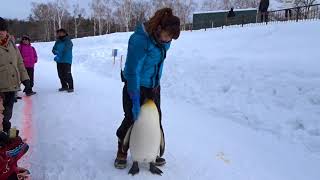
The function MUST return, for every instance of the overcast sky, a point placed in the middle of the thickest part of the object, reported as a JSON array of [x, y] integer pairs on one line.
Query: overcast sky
[[21, 8]]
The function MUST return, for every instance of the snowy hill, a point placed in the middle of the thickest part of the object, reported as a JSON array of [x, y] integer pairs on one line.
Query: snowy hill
[[238, 103]]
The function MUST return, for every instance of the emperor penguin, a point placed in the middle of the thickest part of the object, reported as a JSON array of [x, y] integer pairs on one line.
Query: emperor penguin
[[145, 138]]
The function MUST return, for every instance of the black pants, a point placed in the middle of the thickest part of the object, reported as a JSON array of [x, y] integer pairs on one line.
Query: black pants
[[64, 72], [145, 93], [8, 101], [31, 76], [264, 16]]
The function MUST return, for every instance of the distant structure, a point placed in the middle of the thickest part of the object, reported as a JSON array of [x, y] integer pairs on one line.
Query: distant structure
[[212, 19], [288, 4]]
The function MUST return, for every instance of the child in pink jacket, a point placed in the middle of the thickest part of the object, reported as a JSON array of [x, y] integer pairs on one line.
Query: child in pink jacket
[[29, 56]]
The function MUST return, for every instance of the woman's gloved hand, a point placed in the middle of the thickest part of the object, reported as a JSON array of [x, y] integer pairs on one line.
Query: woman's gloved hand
[[135, 98], [57, 57]]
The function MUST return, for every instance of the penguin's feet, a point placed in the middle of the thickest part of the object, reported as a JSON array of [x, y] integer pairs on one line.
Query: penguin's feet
[[160, 161], [155, 170], [134, 169]]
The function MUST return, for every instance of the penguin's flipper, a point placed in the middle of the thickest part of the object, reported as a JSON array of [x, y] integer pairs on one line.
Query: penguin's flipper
[[163, 143], [126, 140], [134, 169], [155, 170]]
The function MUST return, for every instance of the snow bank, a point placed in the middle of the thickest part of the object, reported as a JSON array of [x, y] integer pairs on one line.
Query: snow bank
[[238, 103], [264, 77]]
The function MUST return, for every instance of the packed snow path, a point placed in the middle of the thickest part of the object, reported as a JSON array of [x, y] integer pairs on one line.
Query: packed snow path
[[72, 136]]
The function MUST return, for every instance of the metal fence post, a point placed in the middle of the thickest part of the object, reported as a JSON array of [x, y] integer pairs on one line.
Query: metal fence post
[[298, 12], [242, 21]]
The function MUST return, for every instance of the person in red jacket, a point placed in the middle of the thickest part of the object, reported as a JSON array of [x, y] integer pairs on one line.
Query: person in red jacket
[[30, 57], [12, 148]]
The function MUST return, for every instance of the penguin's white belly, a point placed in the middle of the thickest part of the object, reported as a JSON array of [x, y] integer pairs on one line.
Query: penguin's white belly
[[145, 136]]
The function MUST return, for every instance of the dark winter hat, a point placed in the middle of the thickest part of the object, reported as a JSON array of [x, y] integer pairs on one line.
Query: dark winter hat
[[62, 30], [3, 24], [25, 37]]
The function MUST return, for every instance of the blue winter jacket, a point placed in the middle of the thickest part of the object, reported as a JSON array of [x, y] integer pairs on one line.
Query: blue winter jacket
[[63, 50], [144, 61]]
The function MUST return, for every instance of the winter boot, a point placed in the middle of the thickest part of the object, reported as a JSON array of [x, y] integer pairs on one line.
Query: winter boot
[[62, 89], [31, 93], [121, 159], [70, 90]]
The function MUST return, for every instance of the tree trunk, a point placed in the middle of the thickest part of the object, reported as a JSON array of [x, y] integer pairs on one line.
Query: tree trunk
[[100, 26], [94, 26], [75, 28], [59, 22], [54, 25], [48, 30], [127, 27]]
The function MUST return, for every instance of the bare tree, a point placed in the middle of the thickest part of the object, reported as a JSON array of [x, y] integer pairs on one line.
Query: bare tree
[[242, 4], [108, 18], [94, 24], [41, 13], [210, 5], [226, 4], [297, 3], [141, 12], [305, 2], [124, 12], [53, 15], [183, 9], [61, 10], [93, 16], [158, 4], [98, 8], [78, 13]]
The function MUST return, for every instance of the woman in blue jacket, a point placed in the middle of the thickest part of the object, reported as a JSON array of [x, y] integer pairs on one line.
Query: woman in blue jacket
[[147, 50], [62, 50]]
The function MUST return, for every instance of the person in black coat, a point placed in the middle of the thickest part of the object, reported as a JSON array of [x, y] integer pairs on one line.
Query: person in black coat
[[263, 10], [231, 13]]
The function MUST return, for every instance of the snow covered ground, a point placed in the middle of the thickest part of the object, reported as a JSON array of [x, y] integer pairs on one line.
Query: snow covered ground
[[238, 103]]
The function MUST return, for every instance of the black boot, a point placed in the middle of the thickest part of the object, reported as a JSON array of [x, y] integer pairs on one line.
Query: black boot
[[29, 92], [62, 89], [70, 90], [121, 160]]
